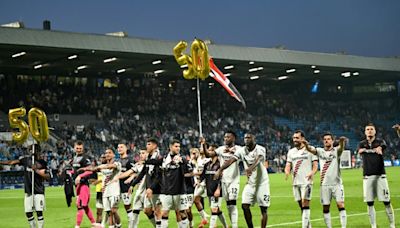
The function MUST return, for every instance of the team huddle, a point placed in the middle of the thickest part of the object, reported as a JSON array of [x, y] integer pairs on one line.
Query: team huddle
[[169, 181]]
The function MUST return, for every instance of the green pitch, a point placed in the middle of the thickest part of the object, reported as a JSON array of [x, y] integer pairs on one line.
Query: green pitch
[[284, 212]]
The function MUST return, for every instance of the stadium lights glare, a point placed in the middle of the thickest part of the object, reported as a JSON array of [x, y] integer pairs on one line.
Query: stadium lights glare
[[255, 69], [346, 74], [184, 66], [290, 70], [255, 77], [313, 67], [211, 83], [283, 77], [251, 62], [72, 57], [227, 75], [18, 54], [316, 71], [81, 67], [158, 71], [356, 73], [229, 67], [109, 60], [121, 71], [38, 66], [156, 62]]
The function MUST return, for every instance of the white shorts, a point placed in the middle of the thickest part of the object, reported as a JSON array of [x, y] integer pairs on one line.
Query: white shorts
[[302, 192], [138, 200], [190, 199], [38, 204], [230, 191], [215, 202], [173, 202], [110, 202], [376, 186], [153, 202], [126, 198], [260, 194], [329, 192], [200, 190]]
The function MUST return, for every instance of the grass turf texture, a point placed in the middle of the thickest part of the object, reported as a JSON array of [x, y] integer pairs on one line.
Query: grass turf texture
[[284, 211]]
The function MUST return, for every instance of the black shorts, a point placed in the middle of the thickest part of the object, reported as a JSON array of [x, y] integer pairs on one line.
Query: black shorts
[[99, 195]]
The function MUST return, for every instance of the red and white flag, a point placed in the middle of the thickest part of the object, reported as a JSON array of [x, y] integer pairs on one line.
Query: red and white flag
[[224, 81]]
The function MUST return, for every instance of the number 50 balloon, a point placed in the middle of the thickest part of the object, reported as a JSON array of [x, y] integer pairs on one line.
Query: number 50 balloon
[[38, 125], [197, 64]]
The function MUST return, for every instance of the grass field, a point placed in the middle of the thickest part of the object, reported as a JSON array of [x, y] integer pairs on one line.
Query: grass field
[[284, 212]]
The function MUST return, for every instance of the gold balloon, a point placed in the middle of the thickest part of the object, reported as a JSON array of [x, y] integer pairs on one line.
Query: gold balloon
[[14, 116], [38, 124], [182, 59], [200, 59], [197, 64]]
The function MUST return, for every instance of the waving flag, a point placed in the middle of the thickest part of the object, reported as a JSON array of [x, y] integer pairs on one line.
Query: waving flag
[[224, 81]]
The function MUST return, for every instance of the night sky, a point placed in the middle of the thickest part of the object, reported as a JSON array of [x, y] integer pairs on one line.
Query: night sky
[[358, 27]]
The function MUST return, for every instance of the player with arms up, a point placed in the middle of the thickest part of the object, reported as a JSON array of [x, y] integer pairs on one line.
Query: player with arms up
[[331, 180], [303, 166]]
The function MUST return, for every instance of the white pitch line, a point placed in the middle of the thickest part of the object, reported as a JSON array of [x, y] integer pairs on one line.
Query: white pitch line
[[320, 219]]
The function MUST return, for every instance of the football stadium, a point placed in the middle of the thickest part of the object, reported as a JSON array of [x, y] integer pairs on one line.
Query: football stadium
[[111, 130]]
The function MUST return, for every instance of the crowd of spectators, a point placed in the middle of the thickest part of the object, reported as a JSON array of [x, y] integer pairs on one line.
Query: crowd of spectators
[[138, 109]]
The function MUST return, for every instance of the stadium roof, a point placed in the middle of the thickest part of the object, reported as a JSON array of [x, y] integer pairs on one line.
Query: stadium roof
[[47, 52]]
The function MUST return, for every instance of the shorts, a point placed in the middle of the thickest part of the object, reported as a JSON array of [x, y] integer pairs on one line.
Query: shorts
[[38, 203], [110, 202], [99, 200], [230, 191], [376, 186], [215, 202], [190, 199], [173, 202], [83, 198], [138, 200], [329, 192], [259, 194], [126, 198], [153, 202], [302, 192], [200, 190]]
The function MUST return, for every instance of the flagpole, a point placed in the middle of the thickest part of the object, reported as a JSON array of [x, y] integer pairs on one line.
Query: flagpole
[[199, 107], [33, 176]]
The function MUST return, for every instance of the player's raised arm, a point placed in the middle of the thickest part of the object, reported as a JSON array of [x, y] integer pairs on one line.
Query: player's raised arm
[[203, 146], [342, 144], [309, 148]]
